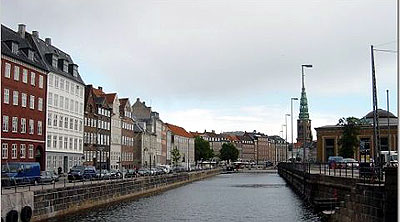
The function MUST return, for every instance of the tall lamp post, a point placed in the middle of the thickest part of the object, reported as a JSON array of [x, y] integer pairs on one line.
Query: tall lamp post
[[291, 115], [304, 128], [286, 144]]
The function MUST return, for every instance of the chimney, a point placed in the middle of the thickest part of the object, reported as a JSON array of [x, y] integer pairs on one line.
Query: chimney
[[21, 30], [213, 131], [35, 34], [100, 88], [137, 99], [48, 41]]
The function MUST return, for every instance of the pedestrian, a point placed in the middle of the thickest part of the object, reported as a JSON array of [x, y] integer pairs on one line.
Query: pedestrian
[[59, 170]]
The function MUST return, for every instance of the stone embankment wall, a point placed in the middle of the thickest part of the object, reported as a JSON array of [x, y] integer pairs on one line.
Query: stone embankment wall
[[352, 199], [63, 201]]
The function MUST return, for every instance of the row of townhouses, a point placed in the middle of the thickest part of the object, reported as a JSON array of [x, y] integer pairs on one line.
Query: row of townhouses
[[51, 116], [253, 146]]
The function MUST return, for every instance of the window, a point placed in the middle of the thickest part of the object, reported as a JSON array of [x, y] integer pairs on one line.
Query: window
[[7, 71], [80, 125], [65, 142], [16, 73], [6, 96], [70, 143], [15, 98], [14, 151], [33, 75], [48, 141], [40, 104], [31, 126], [60, 142], [62, 102], [41, 81], [23, 125], [15, 124], [50, 99], [22, 150], [23, 99], [75, 144], [76, 124], [77, 90], [72, 105], [72, 88], [76, 106], [66, 103], [55, 100], [60, 123], [80, 92], [49, 119], [56, 81], [4, 150], [81, 108], [39, 128], [32, 102], [55, 120], [71, 123], [67, 86], [55, 142], [30, 151], [5, 123], [25, 76], [62, 83], [51, 80], [66, 122], [14, 47]]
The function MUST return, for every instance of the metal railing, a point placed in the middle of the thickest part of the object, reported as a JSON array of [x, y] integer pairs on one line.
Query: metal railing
[[64, 182], [369, 172]]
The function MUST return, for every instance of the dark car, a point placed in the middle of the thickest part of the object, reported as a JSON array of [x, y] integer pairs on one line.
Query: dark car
[[82, 173], [48, 177], [268, 163], [115, 174], [20, 173], [336, 162], [130, 173], [144, 172]]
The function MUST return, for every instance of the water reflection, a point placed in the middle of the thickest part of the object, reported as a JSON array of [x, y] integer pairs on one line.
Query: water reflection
[[229, 197]]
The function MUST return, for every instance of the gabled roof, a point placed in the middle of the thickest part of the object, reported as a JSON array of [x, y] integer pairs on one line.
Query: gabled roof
[[110, 97], [123, 102], [8, 34], [177, 130], [194, 134]]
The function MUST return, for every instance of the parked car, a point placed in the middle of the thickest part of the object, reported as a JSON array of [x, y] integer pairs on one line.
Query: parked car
[[20, 173], [268, 163], [115, 174], [144, 172], [351, 163], [48, 177], [104, 175], [82, 173], [335, 162], [130, 173]]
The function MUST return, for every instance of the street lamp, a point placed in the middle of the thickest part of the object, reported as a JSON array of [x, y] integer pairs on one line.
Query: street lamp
[[286, 144], [304, 128], [291, 114]]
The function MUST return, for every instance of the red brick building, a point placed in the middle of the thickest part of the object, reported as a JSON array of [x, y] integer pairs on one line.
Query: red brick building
[[23, 98]]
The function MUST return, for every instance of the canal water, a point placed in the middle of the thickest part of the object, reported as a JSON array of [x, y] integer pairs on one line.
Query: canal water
[[226, 197]]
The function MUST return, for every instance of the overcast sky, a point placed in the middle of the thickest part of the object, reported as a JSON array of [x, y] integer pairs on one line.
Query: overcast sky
[[225, 65]]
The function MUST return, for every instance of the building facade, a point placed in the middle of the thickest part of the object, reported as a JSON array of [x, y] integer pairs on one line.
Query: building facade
[[178, 137], [64, 128], [328, 137], [116, 131], [23, 98], [97, 129], [127, 134]]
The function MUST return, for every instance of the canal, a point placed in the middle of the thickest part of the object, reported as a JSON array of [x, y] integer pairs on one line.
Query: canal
[[226, 197]]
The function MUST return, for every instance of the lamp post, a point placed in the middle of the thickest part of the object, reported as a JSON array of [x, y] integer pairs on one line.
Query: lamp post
[[286, 144], [291, 114], [304, 128], [388, 124]]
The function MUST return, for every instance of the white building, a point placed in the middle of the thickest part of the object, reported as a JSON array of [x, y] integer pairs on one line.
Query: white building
[[178, 137], [65, 99], [116, 131]]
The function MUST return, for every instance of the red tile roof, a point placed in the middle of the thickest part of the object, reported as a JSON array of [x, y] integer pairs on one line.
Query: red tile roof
[[110, 97], [98, 92], [177, 130], [195, 134]]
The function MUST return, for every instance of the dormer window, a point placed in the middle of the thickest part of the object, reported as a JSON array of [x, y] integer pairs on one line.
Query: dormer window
[[63, 65], [30, 54], [14, 47], [73, 69]]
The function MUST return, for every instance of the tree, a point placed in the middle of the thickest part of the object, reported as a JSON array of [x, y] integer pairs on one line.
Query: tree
[[202, 149], [175, 155], [349, 141], [228, 152]]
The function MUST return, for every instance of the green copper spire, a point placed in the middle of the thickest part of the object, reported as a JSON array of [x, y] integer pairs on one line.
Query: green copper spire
[[303, 102]]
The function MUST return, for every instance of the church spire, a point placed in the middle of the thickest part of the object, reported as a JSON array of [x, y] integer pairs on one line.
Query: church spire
[[303, 100]]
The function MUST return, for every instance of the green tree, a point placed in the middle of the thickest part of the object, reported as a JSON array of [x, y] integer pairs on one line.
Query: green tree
[[349, 141], [175, 155], [202, 149], [228, 152]]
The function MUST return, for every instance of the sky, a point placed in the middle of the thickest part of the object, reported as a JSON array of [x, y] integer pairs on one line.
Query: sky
[[226, 65]]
